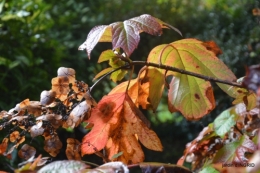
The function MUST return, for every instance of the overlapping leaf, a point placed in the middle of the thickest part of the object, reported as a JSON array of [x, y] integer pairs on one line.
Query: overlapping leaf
[[117, 121], [235, 152], [146, 90], [125, 34], [191, 96], [224, 122]]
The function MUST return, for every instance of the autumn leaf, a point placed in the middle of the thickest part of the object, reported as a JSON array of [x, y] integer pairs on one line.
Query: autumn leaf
[[194, 95], [125, 34], [234, 152], [52, 145], [116, 122], [3, 146], [138, 92], [32, 107], [47, 97], [60, 85], [73, 149], [26, 152], [146, 90]]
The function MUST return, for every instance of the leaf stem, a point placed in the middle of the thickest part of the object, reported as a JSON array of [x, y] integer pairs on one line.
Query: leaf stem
[[105, 75]]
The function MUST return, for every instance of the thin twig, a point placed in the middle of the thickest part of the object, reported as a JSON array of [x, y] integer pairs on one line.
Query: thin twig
[[130, 77], [105, 75], [170, 68]]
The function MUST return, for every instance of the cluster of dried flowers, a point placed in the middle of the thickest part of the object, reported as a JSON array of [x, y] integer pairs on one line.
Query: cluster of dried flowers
[[66, 105]]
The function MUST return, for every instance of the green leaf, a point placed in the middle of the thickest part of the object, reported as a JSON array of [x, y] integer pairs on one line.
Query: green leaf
[[106, 55], [156, 80], [235, 151], [195, 56], [104, 71], [209, 169], [193, 97], [117, 155], [116, 62], [71, 166], [224, 122], [118, 75]]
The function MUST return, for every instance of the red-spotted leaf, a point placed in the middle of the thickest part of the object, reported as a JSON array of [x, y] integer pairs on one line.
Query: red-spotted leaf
[[193, 97], [199, 57], [125, 34], [195, 56], [235, 152], [114, 116]]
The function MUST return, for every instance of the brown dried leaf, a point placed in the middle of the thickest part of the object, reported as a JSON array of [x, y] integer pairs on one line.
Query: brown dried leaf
[[73, 149], [77, 115], [60, 85], [26, 152], [52, 145], [32, 107], [47, 97], [67, 72], [36, 130], [14, 136]]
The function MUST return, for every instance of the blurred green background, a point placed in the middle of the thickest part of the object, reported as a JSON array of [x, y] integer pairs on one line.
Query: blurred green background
[[37, 37]]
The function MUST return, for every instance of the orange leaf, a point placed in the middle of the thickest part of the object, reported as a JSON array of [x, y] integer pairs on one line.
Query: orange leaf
[[138, 91], [52, 145], [60, 85], [116, 121], [14, 136], [33, 107], [3, 145], [73, 149]]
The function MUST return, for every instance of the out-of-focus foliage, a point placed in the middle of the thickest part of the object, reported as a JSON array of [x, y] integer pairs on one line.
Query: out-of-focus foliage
[[28, 53]]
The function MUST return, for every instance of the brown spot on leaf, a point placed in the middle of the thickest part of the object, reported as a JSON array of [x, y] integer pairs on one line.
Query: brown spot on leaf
[[197, 96], [197, 66], [106, 109], [210, 96], [213, 47]]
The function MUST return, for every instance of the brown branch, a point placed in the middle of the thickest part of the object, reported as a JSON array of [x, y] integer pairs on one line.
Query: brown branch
[[170, 68]]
